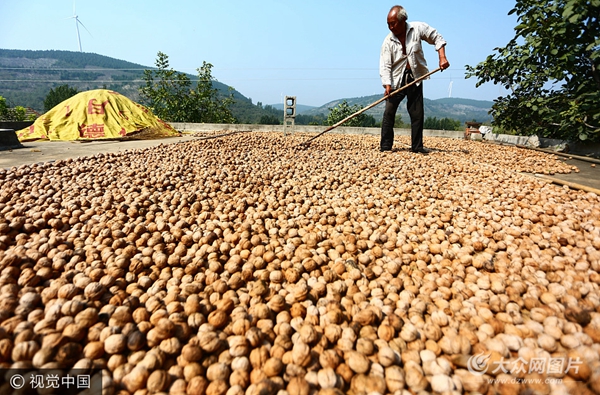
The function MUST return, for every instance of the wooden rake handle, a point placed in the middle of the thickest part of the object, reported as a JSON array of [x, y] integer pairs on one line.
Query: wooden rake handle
[[307, 142]]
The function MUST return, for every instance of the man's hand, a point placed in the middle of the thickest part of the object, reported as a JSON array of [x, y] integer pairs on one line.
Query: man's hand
[[388, 89], [444, 63]]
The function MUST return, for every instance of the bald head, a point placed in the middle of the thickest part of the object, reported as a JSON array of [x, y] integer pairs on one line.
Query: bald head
[[399, 13]]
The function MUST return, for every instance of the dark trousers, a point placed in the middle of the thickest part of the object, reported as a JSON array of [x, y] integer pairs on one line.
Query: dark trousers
[[414, 105]]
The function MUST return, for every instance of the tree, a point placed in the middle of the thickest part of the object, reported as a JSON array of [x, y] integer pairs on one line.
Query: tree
[[58, 95], [3, 109], [441, 124], [343, 110], [172, 96], [552, 67], [18, 113], [399, 123], [269, 120]]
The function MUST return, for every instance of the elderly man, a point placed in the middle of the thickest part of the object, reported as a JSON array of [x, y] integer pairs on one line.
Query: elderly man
[[401, 62]]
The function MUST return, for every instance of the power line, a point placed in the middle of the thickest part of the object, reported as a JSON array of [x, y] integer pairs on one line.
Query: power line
[[219, 69]]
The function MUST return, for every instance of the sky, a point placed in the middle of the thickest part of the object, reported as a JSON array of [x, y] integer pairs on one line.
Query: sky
[[316, 50]]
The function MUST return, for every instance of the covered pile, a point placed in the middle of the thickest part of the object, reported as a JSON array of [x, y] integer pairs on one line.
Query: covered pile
[[95, 115]]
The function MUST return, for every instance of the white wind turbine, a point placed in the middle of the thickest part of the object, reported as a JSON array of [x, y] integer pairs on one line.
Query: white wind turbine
[[77, 23]]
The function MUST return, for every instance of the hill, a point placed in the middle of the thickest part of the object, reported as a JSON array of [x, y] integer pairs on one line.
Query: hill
[[26, 77], [300, 108], [455, 108]]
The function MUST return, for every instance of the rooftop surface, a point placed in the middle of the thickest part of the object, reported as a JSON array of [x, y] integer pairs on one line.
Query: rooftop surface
[[44, 151]]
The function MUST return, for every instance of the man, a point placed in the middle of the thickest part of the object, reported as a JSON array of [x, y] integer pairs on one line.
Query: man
[[401, 62]]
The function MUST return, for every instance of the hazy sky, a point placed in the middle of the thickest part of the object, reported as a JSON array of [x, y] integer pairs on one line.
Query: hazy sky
[[316, 50]]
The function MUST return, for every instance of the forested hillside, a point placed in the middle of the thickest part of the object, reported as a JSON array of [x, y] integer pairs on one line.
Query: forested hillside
[[462, 110], [26, 77]]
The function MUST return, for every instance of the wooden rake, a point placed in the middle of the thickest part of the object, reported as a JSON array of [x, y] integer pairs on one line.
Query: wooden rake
[[307, 142]]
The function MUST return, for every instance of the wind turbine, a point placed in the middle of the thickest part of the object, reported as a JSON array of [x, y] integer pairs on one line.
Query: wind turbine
[[77, 23], [450, 89]]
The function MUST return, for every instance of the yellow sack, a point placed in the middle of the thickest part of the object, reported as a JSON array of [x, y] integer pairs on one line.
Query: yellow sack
[[95, 115]]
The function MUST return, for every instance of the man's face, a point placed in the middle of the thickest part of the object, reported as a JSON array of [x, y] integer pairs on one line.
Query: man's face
[[395, 26]]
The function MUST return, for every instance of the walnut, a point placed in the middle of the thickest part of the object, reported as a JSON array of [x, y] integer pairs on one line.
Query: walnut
[[25, 350], [258, 357], [327, 378], [368, 384], [158, 381], [273, 367], [136, 379], [197, 386], [301, 355], [240, 377], [68, 354], [6, 347], [121, 316], [75, 332], [94, 291], [298, 385], [308, 334], [365, 346], [209, 341], [254, 336], [218, 387], [115, 361], [218, 371], [365, 317], [387, 356], [394, 378], [238, 346], [240, 327], [115, 344], [329, 359], [170, 346], [357, 361], [93, 350], [86, 318], [42, 356], [136, 340], [192, 370], [191, 352]]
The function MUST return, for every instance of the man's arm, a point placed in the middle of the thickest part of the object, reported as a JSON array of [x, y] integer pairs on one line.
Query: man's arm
[[385, 67], [442, 55]]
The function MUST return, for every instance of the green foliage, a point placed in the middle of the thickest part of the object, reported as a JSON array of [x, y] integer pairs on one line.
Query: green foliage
[[3, 109], [17, 113], [315, 120], [58, 95], [172, 96], [269, 120], [552, 67], [399, 123], [343, 110], [442, 124]]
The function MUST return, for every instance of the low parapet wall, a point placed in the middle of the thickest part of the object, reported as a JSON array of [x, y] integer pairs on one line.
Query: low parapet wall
[[213, 127]]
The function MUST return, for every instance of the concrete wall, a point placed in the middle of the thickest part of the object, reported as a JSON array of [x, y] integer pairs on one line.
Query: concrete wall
[[14, 125], [9, 140], [213, 127]]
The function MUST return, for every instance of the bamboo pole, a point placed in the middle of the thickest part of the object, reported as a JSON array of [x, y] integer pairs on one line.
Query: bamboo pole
[[307, 142]]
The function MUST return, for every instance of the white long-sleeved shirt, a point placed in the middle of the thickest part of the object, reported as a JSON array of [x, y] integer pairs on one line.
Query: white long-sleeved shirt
[[392, 61]]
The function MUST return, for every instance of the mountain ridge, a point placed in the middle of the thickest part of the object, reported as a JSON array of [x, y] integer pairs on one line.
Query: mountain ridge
[[26, 77]]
